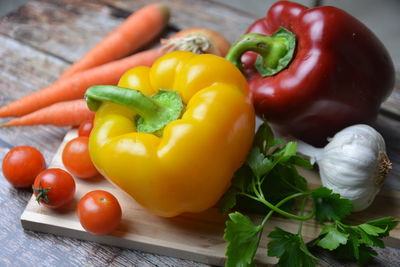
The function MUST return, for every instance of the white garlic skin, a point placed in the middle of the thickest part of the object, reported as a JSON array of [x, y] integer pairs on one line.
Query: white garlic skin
[[354, 164]]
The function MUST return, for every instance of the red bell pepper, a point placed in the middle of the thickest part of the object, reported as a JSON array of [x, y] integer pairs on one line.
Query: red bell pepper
[[314, 71]]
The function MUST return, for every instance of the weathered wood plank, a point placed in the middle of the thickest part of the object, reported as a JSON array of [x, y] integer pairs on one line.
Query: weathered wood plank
[[66, 29], [25, 70], [8, 6], [193, 13]]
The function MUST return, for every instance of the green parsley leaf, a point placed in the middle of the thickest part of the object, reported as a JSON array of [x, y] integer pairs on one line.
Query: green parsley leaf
[[264, 138], [354, 247], [330, 206], [365, 253], [370, 240], [242, 178], [262, 164], [301, 162], [387, 223], [333, 237], [290, 249], [371, 230], [283, 181], [275, 173], [242, 237], [370, 233], [228, 200], [359, 238], [240, 183], [259, 164], [284, 154], [353, 250]]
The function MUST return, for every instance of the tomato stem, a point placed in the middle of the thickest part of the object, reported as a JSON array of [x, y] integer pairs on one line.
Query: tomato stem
[[41, 194]]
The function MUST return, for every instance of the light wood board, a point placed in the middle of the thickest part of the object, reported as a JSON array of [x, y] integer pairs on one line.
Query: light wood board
[[197, 237]]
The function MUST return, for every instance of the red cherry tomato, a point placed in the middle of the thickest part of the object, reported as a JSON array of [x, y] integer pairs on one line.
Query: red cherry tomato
[[76, 158], [99, 212], [22, 164], [54, 188], [85, 128]]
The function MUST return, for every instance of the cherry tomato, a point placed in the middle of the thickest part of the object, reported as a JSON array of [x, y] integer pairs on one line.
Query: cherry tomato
[[99, 212], [54, 188], [76, 158], [22, 164], [85, 128]]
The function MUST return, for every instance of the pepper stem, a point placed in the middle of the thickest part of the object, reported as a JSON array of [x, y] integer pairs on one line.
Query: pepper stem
[[154, 112], [275, 52]]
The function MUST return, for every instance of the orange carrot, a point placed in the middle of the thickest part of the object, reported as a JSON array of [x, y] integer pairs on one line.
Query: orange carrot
[[74, 87], [198, 40], [68, 113], [137, 30]]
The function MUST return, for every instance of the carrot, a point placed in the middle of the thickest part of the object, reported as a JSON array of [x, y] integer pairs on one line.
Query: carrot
[[198, 40], [74, 87], [137, 30], [67, 113]]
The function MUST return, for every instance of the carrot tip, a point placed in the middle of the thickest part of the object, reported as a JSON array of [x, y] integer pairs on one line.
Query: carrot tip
[[166, 12], [7, 124]]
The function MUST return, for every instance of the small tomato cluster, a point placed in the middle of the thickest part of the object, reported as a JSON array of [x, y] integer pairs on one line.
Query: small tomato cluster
[[98, 211]]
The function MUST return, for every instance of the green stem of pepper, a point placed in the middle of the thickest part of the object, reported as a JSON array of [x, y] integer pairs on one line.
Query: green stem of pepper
[[155, 111], [275, 52]]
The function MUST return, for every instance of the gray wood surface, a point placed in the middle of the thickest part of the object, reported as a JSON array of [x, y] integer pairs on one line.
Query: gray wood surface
[[37, 42]]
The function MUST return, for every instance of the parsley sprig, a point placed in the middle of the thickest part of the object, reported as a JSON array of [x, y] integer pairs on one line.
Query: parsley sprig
[[269, 183]]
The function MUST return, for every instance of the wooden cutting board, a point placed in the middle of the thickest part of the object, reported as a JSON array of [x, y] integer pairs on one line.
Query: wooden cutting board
[[197, 237]]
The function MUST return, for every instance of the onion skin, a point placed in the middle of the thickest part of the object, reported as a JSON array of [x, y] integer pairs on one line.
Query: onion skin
[[218, 44]]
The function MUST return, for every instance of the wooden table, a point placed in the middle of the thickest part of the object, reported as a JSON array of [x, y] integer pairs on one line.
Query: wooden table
[[40, 40]]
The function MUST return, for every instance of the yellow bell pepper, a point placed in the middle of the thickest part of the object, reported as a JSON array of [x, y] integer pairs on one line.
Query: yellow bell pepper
[[173, 150]]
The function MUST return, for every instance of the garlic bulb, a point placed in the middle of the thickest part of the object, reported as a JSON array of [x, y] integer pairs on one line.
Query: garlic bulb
[[354, 164]]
